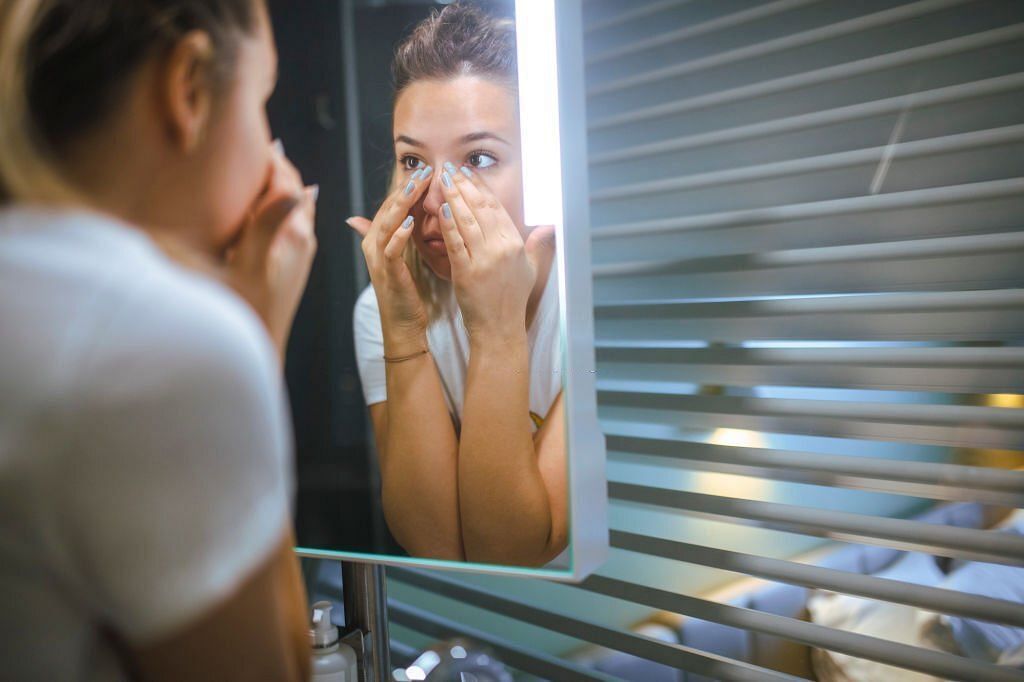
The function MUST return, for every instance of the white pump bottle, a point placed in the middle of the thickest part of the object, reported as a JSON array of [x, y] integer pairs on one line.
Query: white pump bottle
[[333, 661]]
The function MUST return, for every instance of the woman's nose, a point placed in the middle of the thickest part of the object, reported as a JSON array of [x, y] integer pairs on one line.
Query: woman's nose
[[433, 198]]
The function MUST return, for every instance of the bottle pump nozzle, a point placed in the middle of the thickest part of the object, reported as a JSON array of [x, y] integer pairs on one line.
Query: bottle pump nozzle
[[323, 633]]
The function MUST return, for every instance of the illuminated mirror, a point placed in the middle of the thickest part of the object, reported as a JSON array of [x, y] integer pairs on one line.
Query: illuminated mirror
[[472, 330]]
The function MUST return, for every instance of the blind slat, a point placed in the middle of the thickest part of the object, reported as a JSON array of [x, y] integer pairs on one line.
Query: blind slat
[[818, 305], [914, 658], [666, 396], [939, 196], [789, 42], [674, 655], [536, 663], [633, 14], [991, 546], [945, 481], [860, 67], [891, 152], [982, 244], [818, 577], [702, 28], [988, 370], [891, 358], [816, 119]]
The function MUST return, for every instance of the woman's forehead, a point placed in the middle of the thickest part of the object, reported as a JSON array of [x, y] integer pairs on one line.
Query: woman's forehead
[[437, 113]]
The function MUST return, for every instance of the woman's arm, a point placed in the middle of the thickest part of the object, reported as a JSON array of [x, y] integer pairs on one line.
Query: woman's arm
[[512, 485], [512, 509], [418, 449], [415, 437], [259, 632]]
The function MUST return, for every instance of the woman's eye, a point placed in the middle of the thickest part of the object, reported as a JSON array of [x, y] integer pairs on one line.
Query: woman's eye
[[411, 163], [481, 160]]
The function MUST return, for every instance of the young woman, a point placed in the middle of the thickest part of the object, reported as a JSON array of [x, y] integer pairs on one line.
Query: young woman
[[458, 337], [144, 442]]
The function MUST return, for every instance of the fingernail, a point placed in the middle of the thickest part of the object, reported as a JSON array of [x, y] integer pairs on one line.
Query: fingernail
[[348, 221], [446, 179], [315, 192], [417, 175], [407, 223], [426, 172], [465, 171], [409, 188], [279, 146], [450, 167], [446, 211]]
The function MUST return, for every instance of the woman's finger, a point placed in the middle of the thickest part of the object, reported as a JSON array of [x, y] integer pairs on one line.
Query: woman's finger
[[253, 248], [359, 224], [458, 255], [540, 242], [285, 177], [393, 251], [465, 220], [397, 206], [484, 204]]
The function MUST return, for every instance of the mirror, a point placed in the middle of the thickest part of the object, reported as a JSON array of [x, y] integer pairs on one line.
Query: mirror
[[472, 321]]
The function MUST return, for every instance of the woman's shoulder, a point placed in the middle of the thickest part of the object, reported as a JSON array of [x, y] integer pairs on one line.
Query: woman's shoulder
[[102, 293], [186, 320]]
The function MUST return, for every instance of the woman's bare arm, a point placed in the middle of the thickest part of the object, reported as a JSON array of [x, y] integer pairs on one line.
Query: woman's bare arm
[[512, 488], [418, 451], [259, 632]]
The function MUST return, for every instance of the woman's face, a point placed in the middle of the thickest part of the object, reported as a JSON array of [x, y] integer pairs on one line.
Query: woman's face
[[232, 166], [469, 121]]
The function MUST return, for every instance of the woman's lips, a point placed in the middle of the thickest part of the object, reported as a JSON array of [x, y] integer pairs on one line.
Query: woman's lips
[[435, 245]]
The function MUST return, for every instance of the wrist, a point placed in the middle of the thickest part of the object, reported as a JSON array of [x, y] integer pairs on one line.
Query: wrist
[[403, 341], [498, 340]]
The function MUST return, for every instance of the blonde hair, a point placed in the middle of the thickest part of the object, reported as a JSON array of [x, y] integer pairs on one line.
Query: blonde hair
[[64, 64], [26, 172], [458, 40]]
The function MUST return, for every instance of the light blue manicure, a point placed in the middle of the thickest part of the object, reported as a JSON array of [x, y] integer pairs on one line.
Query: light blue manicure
[[426, 172], [446, 211], [407, 223], [465, 171], [417, 175], [446, 179], [409, 188], [450, 167]]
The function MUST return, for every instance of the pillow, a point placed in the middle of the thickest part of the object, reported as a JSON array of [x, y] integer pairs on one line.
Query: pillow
[[892, 622], [982, 639]]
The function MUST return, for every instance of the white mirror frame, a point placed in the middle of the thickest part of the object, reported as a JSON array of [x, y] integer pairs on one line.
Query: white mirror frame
[[553, 35]]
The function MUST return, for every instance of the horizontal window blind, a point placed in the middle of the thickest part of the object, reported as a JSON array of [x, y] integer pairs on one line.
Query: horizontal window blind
[[808, 243]]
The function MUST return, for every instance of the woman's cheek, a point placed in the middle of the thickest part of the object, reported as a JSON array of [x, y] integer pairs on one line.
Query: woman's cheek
[[250, 169]]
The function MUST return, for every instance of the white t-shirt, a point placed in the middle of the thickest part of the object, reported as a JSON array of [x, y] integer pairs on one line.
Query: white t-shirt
[[145, 446], [448, 341]]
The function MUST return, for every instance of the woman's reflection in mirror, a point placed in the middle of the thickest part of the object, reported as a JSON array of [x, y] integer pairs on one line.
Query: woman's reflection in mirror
[[458, 337]]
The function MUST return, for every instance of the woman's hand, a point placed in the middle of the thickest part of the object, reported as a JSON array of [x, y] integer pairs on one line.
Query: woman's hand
[[384, 240], [493, 269], [269, 264]]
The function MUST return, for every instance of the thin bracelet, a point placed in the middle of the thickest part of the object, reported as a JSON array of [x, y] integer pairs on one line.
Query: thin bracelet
[[410, 356]]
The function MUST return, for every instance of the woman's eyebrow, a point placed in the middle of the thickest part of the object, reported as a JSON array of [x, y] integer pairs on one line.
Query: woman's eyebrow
[[408, 140], [472, 137], [483, 135]]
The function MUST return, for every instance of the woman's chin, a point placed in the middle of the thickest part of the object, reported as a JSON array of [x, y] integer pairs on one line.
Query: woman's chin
[[440, 266]]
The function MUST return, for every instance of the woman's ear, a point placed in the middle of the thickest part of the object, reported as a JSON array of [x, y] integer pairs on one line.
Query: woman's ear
[[186, 90]]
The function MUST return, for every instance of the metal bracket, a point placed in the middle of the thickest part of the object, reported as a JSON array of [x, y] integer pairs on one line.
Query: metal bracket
[[366, 620]]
